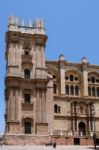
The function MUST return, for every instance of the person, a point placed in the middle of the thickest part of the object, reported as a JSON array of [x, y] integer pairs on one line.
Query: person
[[1, 142], [54, 144], [94, 139]]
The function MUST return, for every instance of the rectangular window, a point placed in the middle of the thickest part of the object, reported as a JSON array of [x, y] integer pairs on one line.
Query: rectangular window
[[27, 127], [27, 98], [54, 88]]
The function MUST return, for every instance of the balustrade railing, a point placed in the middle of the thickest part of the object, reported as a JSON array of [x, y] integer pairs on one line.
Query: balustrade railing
[[73, 133]]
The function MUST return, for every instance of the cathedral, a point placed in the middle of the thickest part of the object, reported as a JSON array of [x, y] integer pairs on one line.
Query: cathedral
[[45, 99]]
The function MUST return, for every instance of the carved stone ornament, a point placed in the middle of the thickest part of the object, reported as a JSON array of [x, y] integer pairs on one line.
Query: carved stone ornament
[[84, 67], [26, 45], [62, 65]]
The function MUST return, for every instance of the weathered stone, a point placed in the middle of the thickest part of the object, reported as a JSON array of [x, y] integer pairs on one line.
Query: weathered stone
[[47, 99]]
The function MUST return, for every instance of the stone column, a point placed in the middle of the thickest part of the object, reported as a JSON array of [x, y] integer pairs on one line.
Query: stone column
[[43, 107], [34, 108], [11, 105], [62, 74], [85, 82], [10, 55], [85, 76], [75, 114], [50, 104], [8, 106], [74, 89], [38, 107], [71, 116], [17, 110], [42, 57], [87, 119]]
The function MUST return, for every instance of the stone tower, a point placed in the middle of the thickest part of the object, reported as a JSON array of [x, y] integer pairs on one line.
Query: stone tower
[[47, 99], [27, 81]]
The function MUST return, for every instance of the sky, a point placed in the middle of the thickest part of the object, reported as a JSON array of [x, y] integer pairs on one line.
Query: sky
[[72, 27]]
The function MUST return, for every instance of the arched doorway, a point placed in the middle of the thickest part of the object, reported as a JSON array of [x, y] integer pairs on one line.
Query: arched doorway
[[82, 128]]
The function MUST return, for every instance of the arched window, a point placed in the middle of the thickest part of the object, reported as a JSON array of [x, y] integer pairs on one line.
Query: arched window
[[27, 73], [72, 90], [54, 88], [26, 52], [92, 79], [67, 89], [66, 78], [54, 76], [97, 91], [71, 78], [89, 91], [93, 91], [88, 79], [76, 90], [27, 98], [76, 79], [82, 127]]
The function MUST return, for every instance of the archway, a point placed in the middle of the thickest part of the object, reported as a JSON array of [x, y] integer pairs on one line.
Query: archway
[[82, 128]]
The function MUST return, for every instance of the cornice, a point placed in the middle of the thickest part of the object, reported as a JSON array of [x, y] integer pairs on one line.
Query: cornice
[[70, 64], [15, 36], [76, 98]]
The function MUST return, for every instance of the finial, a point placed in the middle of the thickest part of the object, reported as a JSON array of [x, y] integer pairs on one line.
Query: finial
[[22, 22], [30, 23], [16, 20], [13, 23], [84, 60], [61, 57], [42, 23], [13, 20], [37, 23]]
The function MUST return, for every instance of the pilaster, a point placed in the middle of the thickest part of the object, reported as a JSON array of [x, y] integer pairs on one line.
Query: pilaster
[[50, 104], [85, 76], [62, 74]]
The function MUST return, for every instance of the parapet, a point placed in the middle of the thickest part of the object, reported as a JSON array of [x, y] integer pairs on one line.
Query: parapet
[[37, 27]]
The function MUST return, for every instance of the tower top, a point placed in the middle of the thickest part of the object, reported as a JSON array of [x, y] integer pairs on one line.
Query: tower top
[[84, 60], [37, 27], [61, 57]]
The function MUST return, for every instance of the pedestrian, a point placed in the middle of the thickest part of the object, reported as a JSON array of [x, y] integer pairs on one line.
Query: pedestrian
[[94, 140], [54, 144], [1, 142]]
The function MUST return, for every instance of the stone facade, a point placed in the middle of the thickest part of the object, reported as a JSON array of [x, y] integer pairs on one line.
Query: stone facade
[[48, 99]]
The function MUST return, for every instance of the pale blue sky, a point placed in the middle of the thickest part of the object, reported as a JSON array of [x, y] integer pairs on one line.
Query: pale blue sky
[[72, 27]]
